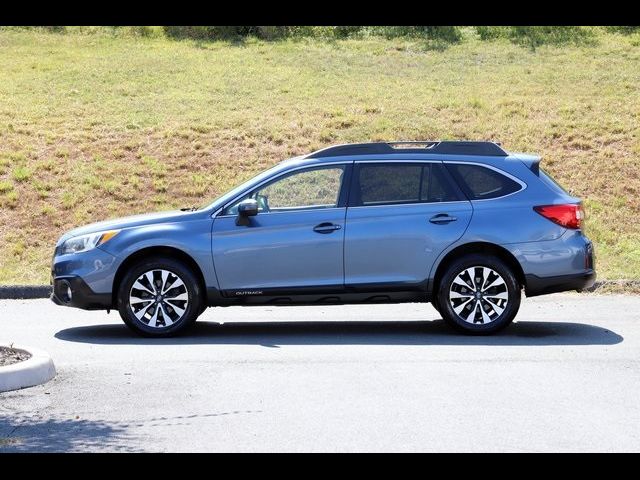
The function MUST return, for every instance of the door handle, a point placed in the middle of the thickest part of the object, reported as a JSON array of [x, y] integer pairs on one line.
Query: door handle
[[326, 227], [442, 218]]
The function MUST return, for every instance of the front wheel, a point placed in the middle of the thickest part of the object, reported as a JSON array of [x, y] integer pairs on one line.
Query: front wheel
[[159, 297], [479, 295]]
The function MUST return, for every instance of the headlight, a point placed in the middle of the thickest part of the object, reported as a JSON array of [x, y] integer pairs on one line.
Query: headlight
[[82, 243]]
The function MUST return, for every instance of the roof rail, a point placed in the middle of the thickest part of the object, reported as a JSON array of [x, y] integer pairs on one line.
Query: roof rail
[[441, 147]]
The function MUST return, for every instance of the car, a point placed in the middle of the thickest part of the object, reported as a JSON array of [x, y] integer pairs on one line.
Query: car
[[464, 225]]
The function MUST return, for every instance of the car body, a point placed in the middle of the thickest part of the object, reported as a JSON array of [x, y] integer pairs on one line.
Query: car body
[[358, 223]]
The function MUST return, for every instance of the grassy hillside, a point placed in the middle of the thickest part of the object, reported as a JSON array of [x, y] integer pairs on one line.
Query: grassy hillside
[[93, 126]]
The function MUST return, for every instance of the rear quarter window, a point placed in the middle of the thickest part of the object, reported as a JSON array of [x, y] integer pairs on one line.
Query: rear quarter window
[[482, 183]]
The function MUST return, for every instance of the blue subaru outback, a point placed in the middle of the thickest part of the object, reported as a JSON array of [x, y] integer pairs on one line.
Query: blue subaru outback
[[463, 225]]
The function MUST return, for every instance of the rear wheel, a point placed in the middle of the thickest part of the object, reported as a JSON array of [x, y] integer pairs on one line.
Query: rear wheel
[[159, 297], [479, 295]]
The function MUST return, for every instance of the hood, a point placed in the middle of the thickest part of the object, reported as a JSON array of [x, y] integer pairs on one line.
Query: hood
[[134, 221]]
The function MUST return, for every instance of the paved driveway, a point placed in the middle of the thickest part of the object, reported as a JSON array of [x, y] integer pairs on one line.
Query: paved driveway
[[566, 376]]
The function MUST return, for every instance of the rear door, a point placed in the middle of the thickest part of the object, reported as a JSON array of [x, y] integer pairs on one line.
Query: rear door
[[401, 215]]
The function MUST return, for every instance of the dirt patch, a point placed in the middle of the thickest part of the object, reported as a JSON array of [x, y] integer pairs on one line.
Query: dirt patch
[[629, 287], [9, 356]]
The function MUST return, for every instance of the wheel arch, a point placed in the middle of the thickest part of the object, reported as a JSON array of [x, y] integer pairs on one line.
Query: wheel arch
[[146, 252], [483, 248]]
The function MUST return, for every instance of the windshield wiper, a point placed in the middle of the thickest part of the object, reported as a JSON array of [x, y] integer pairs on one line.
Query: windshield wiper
[[189, 209]]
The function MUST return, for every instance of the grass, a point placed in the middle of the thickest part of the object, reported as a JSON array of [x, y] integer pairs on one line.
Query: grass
[[96, 126]]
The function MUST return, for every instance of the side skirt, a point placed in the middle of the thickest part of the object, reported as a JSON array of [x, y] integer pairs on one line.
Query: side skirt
[[253, 298]]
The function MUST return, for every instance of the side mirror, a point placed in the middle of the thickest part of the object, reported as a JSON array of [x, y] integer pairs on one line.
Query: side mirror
[[247, 208]]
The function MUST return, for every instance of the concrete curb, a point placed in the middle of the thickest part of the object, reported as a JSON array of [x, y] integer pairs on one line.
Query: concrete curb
[[36, 370], [24, 291]]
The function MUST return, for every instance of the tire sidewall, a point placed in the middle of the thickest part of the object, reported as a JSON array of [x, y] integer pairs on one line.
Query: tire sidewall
[[194, 292], [513, 289]]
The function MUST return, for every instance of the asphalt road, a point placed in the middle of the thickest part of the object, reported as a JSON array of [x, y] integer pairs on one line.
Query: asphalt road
[[565, 377]]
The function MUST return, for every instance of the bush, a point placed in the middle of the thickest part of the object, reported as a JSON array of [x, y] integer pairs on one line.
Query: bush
[[230, 32], [56, 29], [534, 36], [269, 33], [434, 36], [624, 30], [145, 31], [200, 32], [440, 33], [493, 32], [345, 31], [443, 33]]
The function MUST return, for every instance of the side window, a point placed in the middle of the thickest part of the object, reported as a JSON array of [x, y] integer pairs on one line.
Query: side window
[[480, 183], [436, 187], [388, 184], [382, 183], [300, 190]]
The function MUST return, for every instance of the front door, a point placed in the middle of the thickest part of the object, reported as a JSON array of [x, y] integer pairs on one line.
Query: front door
[[401, 216], [294, 242]]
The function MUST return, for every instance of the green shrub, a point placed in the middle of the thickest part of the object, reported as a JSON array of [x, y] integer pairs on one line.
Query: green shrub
[[346, 31], [443, 33], [225, 32], [492, 32], [145, 31], [534, 36], [270, 33], [56, 29], [435, 36], [200, 32], [624, 30]]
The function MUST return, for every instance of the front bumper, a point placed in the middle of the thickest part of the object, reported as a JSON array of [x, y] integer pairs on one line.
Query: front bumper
[[73, 291], [88, 276]]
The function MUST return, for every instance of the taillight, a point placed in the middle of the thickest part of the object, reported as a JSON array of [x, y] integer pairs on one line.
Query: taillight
[[568, 215]]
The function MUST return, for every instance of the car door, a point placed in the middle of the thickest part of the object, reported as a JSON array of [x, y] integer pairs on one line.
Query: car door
[[400, 217], [296, 240]]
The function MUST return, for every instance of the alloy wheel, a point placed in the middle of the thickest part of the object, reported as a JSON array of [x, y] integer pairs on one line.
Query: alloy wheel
[[158, 298], [478, 295]]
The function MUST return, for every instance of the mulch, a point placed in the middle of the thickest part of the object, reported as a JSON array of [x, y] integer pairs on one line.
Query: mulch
[[9, 356]]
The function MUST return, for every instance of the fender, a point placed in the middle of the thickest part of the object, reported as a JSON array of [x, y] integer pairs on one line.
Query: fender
[[193, 238]]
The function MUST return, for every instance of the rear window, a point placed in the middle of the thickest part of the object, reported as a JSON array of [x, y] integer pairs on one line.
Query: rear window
[[381, 184], [481, 183]]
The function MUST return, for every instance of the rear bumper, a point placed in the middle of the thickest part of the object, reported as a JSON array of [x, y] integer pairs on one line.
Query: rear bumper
[[81, 294], [564, 264], [543, 285]]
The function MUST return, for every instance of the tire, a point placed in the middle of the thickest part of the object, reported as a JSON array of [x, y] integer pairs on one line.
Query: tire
[[489, 306], [149, 311]]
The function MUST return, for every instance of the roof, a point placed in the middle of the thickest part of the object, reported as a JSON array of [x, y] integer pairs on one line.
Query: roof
[[432, 147]]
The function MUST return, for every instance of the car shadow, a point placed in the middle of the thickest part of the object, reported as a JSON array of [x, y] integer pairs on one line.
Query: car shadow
[[273, 334]]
